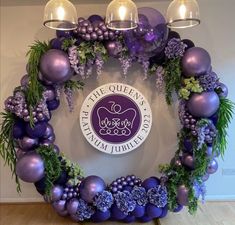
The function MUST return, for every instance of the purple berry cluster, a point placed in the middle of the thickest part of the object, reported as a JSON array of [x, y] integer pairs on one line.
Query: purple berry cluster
[[96, 31], [70, 192], [124, 183]]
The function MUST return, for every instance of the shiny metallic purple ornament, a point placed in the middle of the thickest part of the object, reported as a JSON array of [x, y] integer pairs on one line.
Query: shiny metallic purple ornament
[[30, 167], [43, 79], [188, 161], [91, 186], [113, 48], [212, 167], [19, 153], [56, 193], [222, 90], [205, 177], [59, 206], [196, 62], [48, 132], [55, 66], [72, 206], [37, 131], [203, 105], [24, 80], [49, 93], [27, 143], [182, 195]]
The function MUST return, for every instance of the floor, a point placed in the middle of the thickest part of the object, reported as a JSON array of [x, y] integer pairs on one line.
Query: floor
[[216, 213]]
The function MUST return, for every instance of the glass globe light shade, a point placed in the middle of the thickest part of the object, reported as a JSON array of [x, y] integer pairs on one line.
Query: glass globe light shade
[[122, 15], [183, 14], [60, 15]]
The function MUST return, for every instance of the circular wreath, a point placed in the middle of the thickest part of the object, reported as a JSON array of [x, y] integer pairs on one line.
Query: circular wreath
[[27, 139]]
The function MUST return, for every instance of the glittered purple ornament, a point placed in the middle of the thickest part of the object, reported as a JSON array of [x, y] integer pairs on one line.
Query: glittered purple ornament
[[30, 167], [90, 187], [27, 143], [37, 131], [55, 66], [182, 195], [212, 167], [72, 206], [56, 193], [150, 183], [196, 62], [222, 90], [53, 105], [188, 161], [59, 206], [24, 80], [204, 104], [139, 211], [41, 186], [99, 216], [153, 211]]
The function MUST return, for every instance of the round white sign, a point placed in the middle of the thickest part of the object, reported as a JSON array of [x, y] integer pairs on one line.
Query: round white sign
[[115, 118]]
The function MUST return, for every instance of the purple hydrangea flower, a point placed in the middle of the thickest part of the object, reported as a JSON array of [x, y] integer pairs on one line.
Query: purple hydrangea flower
[[175, 48], [103, 201], [158, 196], [139, 194], [84, 211], [208, 81]]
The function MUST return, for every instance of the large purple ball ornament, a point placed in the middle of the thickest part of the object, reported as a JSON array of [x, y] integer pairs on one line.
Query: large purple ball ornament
[[18, 129], [188, 161], [56, 193], [139, 211], [37, 131], [150, 183], [222, 90], [100, 216], [182, 195], [24, 80], [59, 206], [90, 187], [27, 143], [55, 66], [30, 168], [72, 206], [153, 211], [203, 105], [195, 62], [212, 167], [116, 213]]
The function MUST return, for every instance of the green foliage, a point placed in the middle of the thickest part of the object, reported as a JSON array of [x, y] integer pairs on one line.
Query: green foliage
[[225, 115], [52, 166], [74, 85], [7, 145], [172, 78], [190, 85], [67, 43], [74, 171], [35, 89]]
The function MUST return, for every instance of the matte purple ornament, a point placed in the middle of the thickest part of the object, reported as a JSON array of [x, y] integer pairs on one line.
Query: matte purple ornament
[[188, 161], [49, 93], [150, 183], [189, 44], [164, 212], [56, 43], [55, 66], [212, 167], [91, 186], [182, 195], [195, 62], [24, 80], [56, 193], [27, 143], [116, 213], [188, 145], [222, 90], [203, 105], [178, 209], [18, 129], [112, 48], [64, 33], [53, 105], [72, 206], [62, 178], [59, 206], [100, 216], [95, 18], [30, 167], [153, 211], [129, 219], [205, 177], [139, 211], [37, 131]]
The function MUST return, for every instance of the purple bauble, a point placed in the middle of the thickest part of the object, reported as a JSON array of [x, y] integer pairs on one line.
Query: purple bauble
[[182, 195], [56, 43], [212, 167], [63, 213], [112, 48], [205, 177], [150, 183], [90, 187], [55, 66], [100, 216], [53, 105], [24, 80], [56, 149], [37, 131], [64, 33], [30, 167], [56, 193], [222, 90], [62, 178], [178, 209], [164, 212], [189, 44], [18, 129], [27, 143], [129, 219], [145, 219], [19, 153], [95, 18], [203, 105], [196, 61], [116, 213], [176, 161], [72, 206], [188, 145], [59, 206], [188, 161], [49, 93], [48, 132], [153, 211], [43, 80], [139, 211], [41, 186]]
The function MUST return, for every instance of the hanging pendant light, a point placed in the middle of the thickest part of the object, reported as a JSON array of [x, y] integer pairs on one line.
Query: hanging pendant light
[[122, 15], [60, 15], [183, 14]]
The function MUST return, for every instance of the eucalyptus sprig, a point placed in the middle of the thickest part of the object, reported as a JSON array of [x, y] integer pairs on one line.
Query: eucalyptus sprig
[[7, 144], [172, 78], [52, 166], [225, 116]]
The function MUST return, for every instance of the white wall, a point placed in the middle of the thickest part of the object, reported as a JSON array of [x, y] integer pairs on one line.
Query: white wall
[[21, 24]]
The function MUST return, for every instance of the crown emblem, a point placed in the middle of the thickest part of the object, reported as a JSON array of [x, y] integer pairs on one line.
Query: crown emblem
[[114, 121]]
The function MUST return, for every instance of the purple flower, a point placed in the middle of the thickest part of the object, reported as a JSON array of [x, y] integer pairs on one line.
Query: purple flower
[[125, 202], [175, 48], [69, 97], [208, 81], [139, 194], [126, 63], [84, 211], [160, 78], [158, 196], [199, 190], [103, 201]]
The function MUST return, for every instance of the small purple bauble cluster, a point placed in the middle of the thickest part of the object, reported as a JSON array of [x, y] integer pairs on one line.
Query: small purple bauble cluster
[[124, 183], [95, 31], [70, 192]]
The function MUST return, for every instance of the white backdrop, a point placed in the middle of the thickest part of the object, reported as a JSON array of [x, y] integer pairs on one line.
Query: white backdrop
[[21, 24]]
